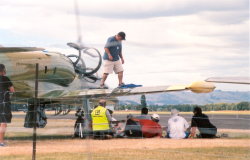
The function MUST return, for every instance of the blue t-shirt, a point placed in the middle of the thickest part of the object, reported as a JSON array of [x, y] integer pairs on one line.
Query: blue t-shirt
[[115, 48]]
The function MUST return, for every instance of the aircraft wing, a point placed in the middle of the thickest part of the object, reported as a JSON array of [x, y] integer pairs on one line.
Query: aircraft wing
[[19, 49], [236, 80], [197, 87], [122, 91]]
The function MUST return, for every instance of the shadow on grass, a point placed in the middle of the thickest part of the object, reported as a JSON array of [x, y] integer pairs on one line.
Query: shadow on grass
[[41, 137]]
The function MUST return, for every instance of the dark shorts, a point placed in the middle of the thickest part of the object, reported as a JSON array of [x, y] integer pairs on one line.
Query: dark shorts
[[5, 113], [208, 132]]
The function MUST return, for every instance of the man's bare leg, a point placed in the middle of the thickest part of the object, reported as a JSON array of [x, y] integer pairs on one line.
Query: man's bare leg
[[104, 77], [120, 77], [3, 127]]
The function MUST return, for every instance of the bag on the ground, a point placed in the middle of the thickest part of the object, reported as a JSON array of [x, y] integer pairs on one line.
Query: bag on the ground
[[41, 118]]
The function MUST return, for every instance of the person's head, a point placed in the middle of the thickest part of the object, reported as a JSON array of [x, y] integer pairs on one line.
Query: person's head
[[174, 112], [155, 118], [120, 36], [144, 111], [130, 116], [197, 110], [78, 110], [102, 102], [2, 70]]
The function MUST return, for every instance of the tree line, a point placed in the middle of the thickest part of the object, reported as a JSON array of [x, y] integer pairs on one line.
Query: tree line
[[242, 106]]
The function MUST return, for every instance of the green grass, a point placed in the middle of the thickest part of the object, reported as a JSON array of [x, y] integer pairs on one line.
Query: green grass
[[219, 153]]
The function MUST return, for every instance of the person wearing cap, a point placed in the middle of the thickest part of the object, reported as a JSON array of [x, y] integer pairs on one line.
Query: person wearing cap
[[113, 58], [6, 87], [177, 126]]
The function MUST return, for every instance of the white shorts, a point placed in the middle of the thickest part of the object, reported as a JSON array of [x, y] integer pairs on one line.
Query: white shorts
[[110, 66]]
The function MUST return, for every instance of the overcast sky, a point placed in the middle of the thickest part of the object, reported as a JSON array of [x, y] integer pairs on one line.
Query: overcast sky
[[168, 41]]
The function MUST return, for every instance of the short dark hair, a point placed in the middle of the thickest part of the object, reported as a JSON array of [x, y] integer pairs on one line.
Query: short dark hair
[[197, 110], [144, 110], [122, 34], [2, 68]]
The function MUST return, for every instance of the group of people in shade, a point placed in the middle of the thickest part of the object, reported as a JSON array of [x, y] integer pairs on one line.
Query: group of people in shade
[[104, 125]]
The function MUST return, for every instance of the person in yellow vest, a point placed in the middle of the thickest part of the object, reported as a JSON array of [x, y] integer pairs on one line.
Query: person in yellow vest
[[101, 120]]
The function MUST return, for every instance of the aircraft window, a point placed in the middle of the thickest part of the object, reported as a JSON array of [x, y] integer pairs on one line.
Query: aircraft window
[[46, 69], [54, 71]]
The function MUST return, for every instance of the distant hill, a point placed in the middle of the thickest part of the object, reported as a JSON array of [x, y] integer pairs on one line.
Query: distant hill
[[217, 96]]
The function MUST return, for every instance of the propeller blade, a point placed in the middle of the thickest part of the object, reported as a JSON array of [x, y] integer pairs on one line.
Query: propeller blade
[[90, 54], [74, 45]]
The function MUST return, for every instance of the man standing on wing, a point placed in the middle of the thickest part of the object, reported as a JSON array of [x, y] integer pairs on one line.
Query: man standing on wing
[[113, 58]]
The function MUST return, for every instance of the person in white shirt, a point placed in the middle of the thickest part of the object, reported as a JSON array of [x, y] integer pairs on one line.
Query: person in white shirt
[[177, 126]]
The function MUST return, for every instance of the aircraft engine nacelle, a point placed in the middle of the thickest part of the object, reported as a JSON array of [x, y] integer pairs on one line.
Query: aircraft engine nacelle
[[201, 87]]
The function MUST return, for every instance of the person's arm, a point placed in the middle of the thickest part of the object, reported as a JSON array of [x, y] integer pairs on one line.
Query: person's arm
[[193, 128], [108, 53], [11, 87], [108, 116], [193, 132], [108, 44], [186, 125], [121, 56]]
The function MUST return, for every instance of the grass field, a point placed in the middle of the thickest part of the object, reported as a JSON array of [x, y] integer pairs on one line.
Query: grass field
[[217, 153], [128, 149], [55, 143]]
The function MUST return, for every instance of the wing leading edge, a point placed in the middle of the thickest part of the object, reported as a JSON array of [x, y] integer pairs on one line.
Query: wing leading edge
[[123, 92], [197, 87]]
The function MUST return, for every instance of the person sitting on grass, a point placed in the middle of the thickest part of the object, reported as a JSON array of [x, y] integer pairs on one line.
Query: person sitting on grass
[[151, 128], [177, 126], [143, 128], [201, 121]]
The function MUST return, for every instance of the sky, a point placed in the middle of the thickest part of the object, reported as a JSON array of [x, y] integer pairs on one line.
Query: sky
[[168, 42]]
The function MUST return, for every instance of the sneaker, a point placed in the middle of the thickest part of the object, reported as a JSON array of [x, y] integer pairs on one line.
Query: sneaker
[[3, 145]]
